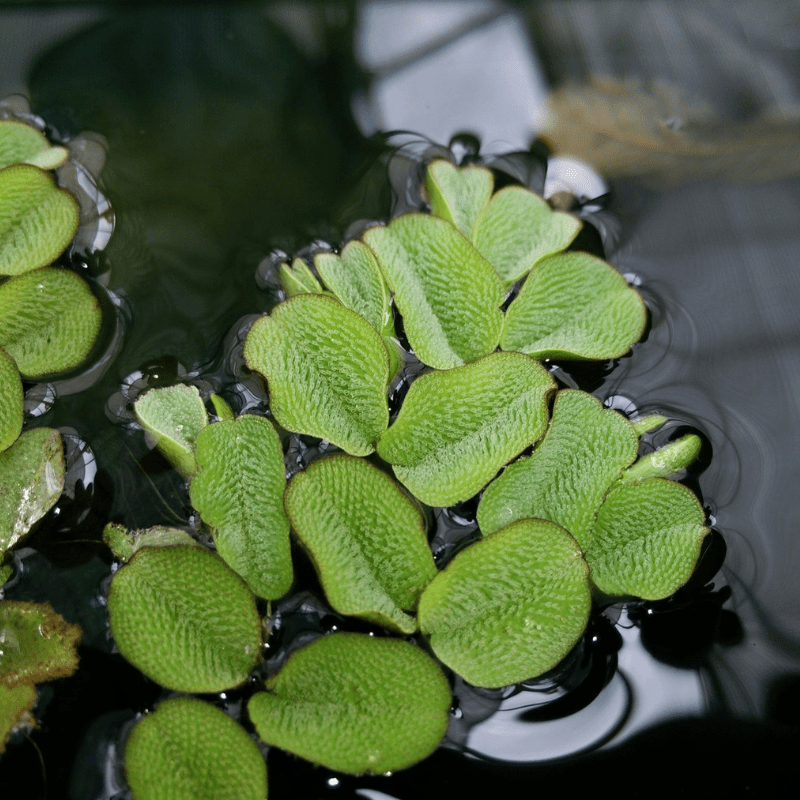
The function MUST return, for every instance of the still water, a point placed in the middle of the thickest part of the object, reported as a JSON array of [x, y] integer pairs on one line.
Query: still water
[[225, 143]]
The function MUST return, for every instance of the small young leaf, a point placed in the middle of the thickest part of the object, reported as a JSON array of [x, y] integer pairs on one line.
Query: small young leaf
[[31, 480], [574, 306], [366, 538], [10, 401], [510, 606], [16, 704], [37, 219], [666, 461], [646, 540], [583, 453], [327, 371], [647, 423], [355, 704], [449, 295], [457, 428], [190, 750], [36, 644], [49, 321], [298, 279], [459, 195], [124, 543], [185, 619], [221, 408], [23, 144], [174, 417], [518, 228], [239, 493]]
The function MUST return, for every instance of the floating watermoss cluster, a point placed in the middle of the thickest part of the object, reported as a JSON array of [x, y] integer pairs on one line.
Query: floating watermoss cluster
[[49, 321], [579, 514]]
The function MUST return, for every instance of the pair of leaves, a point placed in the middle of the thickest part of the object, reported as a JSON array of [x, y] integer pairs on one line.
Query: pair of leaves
[[640, 534], [23, 144]]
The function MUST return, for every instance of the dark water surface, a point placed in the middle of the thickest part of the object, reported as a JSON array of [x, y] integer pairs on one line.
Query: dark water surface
[[226, 141]]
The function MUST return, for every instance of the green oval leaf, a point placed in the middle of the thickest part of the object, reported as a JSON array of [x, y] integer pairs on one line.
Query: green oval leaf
[[16, 705], [124, 543], [174, 416], [355, 704], [459, 195], [574, 306], [366, 538], [667, 461], [10, 401], [646, 540], [185, 619], [327, 371], [298, 278], [518, 228], [581, 456], [508, 607], [457, 428], [37, 219], [49, 321], [31, 480], [21, 143], [239, 492], [190, 750], [36, 644], [447, 292]]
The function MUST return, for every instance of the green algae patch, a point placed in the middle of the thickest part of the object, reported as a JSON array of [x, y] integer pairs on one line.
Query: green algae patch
[[23, 144], [190, 750], [123, 543], [459, 194], [10, 401], [327, 371], [355, 704], [239, 493], [185, 619], [16, 705], [574, 305], [508, 607], [36, 644], [37, 219], [49, 321], [31, 481], [366, 538], [458, 427], [174, 417]]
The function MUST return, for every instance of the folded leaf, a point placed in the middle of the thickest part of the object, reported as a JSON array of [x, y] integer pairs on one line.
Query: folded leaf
[[457, 428], [448, 294], [124, 543], [565, 480], [190, 750], [185, 619], [10, 401], [327, 371], [366, 538], [574, 306], [23, 144], [239, 493], [298, 279], [355, 704], [459, 194], [508, 607], [518, 228], [646, 540], [666, 461], [37, 219]]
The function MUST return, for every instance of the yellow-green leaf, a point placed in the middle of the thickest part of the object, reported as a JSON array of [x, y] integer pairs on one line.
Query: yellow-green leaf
[[459, 194], [23, 144], [123, 543], [10, 401], [16, 704]]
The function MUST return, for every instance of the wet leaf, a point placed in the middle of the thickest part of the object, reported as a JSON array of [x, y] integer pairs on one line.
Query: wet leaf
[[124, 543], [569, 473], [36, 644], [327, 371], [221, 408], [16, 704], [646, 540], [518, 228], [355, 704], [239, 493], [49, 321], [174, 417], [23, 144], [458, 427], [190, 750], [37, 219], [298, 278], [508, 607], [665, 462], [448, 294], [459, 195], [31, 480], [185, 619], [366, 538], [10, 401], [574, 306]]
